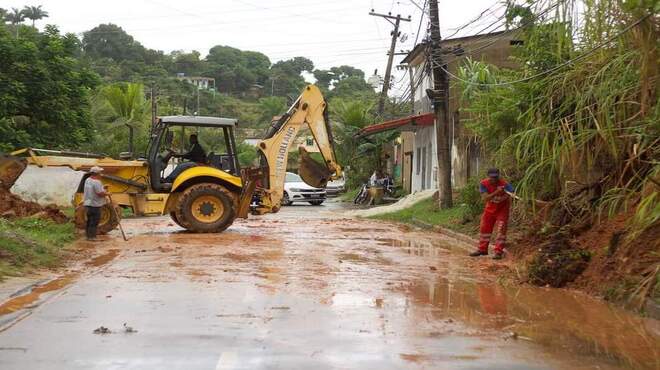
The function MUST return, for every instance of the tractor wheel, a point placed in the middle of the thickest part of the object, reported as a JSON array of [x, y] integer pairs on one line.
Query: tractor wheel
[[176, 220], [108, 222], [205, 208]]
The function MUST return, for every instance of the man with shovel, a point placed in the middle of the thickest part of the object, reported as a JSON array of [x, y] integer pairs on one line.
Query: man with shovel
[[94, 199], [497, 194]]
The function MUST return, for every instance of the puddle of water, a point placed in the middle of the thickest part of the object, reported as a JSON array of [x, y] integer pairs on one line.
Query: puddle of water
[[564, 321], [25, 300]]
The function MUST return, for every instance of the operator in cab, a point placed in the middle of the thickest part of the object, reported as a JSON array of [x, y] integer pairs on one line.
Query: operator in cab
[[196, 156]]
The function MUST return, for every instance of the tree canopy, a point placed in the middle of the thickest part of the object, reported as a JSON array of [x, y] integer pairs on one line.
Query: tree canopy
[[43, 102], [112, 42], [235, 70]]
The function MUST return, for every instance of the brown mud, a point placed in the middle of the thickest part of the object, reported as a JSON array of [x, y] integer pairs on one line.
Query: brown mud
[[25, 300], [102, 259], [601, 260], [12, 206], [324, 293]]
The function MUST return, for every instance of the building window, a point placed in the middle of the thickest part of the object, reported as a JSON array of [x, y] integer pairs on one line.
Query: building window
[[309, 141], [419, 163]]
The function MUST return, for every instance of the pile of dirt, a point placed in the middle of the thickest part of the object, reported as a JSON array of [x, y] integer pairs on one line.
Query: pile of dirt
[[12, 206], [557, 263]]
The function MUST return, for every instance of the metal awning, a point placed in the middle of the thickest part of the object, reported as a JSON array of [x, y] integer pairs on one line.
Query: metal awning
[[404, 124], [199, 121]]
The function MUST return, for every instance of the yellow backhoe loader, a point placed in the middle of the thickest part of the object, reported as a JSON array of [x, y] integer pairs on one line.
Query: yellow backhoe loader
[[205, 197]]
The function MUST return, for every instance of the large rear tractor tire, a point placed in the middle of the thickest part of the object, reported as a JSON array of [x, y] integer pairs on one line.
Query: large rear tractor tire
[[109, 220], [205, 208]]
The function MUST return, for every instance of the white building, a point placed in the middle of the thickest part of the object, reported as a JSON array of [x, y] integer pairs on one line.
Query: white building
[[202, 83]]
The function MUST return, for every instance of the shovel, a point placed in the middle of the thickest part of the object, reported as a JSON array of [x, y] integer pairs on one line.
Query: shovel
[[118, 218], [11, 169], [312, 172]]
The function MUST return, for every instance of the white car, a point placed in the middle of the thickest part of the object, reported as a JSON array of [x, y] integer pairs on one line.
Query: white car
[[296, 190], [335, 187]]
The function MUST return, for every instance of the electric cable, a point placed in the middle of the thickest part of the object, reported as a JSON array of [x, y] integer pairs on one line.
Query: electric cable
[[557, 67]]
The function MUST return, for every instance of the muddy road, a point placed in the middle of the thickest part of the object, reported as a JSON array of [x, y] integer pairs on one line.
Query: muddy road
[[306, 289]]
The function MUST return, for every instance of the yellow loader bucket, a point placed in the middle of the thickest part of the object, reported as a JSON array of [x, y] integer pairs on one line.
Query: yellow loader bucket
[[312, 172], [11, 169]]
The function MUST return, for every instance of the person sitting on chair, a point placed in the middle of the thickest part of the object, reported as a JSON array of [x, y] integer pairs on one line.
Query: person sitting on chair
[[196, 156]]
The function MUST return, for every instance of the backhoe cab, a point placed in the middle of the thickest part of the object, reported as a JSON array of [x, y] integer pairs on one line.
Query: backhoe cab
[[207, 194]]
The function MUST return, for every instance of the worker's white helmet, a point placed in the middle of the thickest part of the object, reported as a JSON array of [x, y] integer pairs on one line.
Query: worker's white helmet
[[96, 169]]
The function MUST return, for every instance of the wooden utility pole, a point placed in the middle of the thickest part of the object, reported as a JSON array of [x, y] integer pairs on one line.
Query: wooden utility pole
[[388, 71], [440, 98], [154, 108]]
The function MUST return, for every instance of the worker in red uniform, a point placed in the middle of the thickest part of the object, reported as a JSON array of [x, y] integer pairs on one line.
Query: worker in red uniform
[[495, 192]]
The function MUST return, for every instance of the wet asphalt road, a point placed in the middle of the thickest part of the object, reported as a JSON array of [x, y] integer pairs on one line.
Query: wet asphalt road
[[306, 289]]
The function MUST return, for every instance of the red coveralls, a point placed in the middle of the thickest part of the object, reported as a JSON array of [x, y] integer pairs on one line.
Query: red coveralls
[[495, 213]]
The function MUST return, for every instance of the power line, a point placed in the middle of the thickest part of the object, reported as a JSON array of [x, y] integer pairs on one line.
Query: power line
[[501, 35], [472, 21], [421, 19], [557, 67]]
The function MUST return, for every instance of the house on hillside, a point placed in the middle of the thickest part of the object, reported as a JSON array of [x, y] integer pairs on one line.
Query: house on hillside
[[202, 83], [417, 154]]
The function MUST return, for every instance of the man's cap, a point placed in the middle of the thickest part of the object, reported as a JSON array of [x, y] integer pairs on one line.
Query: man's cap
[[96, 169], [493, 172]]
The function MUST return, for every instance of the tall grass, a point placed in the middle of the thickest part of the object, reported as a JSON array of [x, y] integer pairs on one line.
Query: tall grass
[[594, 122]]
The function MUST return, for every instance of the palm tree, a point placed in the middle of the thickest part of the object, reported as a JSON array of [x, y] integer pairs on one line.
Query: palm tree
[[34, 13], [127, 103], [15, 17]]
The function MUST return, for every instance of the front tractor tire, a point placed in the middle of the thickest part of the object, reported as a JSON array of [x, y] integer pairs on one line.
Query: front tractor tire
[[108, 222], [176, 220], [205, 208]]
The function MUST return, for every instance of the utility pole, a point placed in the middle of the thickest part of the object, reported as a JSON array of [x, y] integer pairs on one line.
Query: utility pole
[[154, 108], [440, 98], [388, 71], [197, 111]]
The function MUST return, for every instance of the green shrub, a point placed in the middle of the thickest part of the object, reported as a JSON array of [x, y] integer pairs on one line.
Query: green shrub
[[470, 199]]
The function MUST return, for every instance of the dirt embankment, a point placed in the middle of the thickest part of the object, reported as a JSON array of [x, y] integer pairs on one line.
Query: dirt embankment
[[603, 259], [12, 206]]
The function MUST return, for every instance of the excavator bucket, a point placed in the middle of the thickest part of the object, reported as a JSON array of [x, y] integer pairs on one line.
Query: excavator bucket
[[312, 172], [11, 169]]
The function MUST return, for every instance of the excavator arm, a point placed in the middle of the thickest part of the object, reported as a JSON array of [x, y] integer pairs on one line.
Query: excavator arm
[[309, 110]]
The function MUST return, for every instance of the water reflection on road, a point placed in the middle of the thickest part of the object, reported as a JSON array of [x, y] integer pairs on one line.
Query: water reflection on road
[[307, 289]]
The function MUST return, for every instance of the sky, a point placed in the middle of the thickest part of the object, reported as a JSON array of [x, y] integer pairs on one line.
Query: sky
[[330, 32]]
